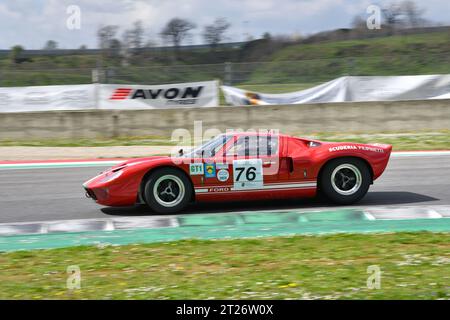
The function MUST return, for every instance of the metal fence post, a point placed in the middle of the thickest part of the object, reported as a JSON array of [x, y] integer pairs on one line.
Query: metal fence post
[[351, 67], [95, 76], [228, 79]]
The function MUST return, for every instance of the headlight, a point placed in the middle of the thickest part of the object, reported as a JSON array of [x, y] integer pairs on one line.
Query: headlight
[[112, 176]]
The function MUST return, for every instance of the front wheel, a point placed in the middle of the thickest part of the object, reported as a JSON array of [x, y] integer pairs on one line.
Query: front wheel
[[167, 190], [345, 180]]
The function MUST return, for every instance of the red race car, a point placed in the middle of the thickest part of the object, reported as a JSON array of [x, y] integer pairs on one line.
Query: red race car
[[243, 166]]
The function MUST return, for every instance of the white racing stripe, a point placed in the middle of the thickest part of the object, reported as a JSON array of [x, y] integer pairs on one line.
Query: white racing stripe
[[274, 186]]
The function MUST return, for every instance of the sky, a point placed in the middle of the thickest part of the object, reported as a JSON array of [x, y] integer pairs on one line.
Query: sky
[[31, 23]]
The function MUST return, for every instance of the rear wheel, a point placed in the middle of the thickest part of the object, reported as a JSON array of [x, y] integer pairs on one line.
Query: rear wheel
[[345, 180], [167, 190]]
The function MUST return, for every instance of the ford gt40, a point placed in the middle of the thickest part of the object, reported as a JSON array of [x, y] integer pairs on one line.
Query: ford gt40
[[243, 166]]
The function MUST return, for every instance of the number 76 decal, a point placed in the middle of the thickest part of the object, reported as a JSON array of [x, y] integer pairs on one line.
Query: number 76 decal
[[250, 174], [247, 174]]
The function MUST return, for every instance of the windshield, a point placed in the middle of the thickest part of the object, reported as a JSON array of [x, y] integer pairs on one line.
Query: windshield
[[210, 148]]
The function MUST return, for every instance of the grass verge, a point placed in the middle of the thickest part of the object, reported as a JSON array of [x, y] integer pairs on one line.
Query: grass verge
[[436, 140], [98, 142], [413, 266]]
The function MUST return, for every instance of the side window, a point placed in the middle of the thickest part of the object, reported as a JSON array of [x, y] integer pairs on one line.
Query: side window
[[221, 143], [254, 146], [239, 147], [268, 145]]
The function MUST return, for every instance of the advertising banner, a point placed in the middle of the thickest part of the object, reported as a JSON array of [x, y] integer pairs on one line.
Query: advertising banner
[[166, 96], [351, 89], [109, 96], [45, 98]]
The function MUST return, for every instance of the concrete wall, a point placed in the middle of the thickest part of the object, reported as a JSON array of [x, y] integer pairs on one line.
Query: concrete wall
[[291, 119]]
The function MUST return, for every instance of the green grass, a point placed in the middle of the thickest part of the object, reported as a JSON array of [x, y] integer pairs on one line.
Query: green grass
[[426, 53], [433, 43], [413, 266], [99, 142], [393, 55], [436, 140]]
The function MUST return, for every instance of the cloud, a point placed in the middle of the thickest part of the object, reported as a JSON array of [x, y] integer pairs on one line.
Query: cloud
[[33, 22]]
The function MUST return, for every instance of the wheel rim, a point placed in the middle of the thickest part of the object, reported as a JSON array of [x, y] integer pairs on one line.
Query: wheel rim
[[346, 179], [168, 190]]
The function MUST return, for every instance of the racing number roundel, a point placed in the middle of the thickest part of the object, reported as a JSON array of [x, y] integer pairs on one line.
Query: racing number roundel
[[247, 174]]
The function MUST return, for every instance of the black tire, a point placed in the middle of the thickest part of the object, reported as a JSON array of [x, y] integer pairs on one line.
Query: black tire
[[345, 180], [167, 190]]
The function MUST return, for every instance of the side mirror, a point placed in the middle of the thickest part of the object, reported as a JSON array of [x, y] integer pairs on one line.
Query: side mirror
[[180, 152]]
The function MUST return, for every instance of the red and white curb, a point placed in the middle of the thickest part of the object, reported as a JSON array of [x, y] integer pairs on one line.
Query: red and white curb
[[83, 225], [156, 222]]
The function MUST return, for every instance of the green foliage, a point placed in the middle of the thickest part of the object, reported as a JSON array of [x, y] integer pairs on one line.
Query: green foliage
[[263, 61], [394, 55], [16, 53]]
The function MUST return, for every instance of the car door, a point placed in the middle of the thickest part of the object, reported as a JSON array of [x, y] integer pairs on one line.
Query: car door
[[216, 170], [252, 161]]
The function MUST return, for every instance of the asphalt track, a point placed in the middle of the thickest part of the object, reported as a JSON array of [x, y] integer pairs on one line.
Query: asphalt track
[[56, 194]]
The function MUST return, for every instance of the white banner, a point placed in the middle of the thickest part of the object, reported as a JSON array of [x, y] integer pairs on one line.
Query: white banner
[[45, 98], [166, 96], [109, 96], [348, 89]]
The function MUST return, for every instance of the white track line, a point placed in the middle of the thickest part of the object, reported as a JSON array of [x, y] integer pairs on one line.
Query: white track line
[[419, 153]]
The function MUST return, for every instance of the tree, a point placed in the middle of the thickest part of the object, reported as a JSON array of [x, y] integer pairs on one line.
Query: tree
[[115, 48], [132, 40], [392, 14], [214, 33], [267, 36], [358, 23], [404, 14], [136, 35], [176, 30], [51, 45], [106, 35], [110, 46], [413, 14], [16, 54], [126, 47]]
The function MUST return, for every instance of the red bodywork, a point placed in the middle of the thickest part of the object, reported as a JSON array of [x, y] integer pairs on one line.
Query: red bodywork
[[291, 173]]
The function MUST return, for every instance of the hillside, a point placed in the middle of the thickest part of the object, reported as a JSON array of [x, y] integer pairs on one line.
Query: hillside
[[393, 55], [262, 61]]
